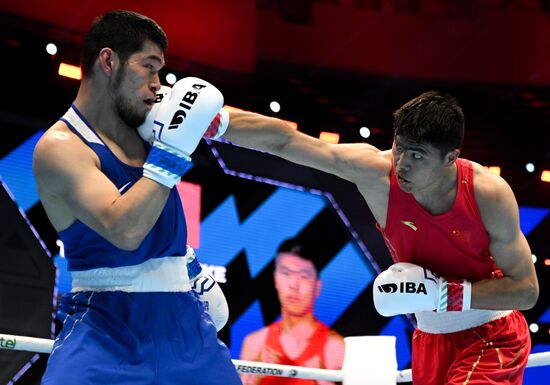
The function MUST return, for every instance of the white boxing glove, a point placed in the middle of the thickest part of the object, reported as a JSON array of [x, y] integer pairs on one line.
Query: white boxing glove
[[208, 290], [218, 126], [408, 288], [180, 122], [146, 130]]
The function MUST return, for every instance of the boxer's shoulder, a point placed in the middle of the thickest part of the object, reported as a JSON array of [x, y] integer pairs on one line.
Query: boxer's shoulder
[[60, 149]]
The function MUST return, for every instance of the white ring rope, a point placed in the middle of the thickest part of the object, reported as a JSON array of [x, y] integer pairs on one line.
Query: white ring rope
[[43, 345]]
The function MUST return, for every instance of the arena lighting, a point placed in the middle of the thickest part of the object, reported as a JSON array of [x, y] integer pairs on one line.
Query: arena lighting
[[534, 258], [494, 169], [330, 137], [51, 48], [545, 176], [171, 78], [547, 262], [294, 125], [364, 132], [530, 167], [534, 327], [275, 106], [70, 71]]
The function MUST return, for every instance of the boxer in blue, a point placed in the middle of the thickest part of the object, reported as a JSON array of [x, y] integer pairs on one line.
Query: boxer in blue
[[132, 316]]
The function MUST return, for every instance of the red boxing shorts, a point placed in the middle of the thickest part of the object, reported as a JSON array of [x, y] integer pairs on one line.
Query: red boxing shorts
[[493, 353]]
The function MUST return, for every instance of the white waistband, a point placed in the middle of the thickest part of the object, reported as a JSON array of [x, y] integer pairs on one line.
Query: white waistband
[[453, 321], [166, 274]]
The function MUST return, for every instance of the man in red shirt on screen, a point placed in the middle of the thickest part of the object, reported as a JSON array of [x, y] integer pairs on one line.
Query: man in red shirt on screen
[[298, 339]]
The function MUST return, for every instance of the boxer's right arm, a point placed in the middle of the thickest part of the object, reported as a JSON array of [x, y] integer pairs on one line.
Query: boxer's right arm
[[356, 162], [72, 186]]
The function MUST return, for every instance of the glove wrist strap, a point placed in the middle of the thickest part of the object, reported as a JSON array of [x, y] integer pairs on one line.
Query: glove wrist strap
[[454, 295], [165, 164], [194, 268], [218, 126]]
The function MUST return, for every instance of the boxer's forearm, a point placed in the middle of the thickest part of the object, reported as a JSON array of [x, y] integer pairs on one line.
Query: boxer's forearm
[[133, 214], [258, 131], [504, 293]]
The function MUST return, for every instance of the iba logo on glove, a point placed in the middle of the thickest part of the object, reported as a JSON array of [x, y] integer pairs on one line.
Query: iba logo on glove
[[403, 287], [186, 103]]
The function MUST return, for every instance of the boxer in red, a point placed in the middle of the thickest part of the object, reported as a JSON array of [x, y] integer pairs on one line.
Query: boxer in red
[[462, 266]]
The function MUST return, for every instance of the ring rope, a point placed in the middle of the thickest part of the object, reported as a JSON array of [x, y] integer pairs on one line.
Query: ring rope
[[43, 345]]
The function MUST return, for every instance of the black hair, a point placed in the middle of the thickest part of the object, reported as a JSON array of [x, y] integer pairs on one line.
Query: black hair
[[302, 248], [433, 117], [124, 32]]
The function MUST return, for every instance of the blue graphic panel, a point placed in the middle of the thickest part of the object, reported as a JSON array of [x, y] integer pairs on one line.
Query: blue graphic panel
[[16, 170], [344, 278], [398, 327], [281, 216], [536, 376], [545, 318], [530, 217]]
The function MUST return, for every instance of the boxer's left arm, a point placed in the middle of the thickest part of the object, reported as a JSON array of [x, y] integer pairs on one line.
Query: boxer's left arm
[[360, 163], [518, 289]]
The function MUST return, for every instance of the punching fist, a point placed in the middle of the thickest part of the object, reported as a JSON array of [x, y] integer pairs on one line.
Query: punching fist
[[407, 288], [208, 290], [179, 123]]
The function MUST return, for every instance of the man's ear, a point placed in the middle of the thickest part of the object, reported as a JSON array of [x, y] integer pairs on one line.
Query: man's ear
[[107, 61], [318, 286], [451, 157]]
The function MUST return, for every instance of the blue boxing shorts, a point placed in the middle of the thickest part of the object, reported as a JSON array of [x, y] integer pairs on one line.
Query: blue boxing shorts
[[133, 338]]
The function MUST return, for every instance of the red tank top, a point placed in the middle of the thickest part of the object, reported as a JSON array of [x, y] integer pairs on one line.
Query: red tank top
[[453, 245], [315, 348]]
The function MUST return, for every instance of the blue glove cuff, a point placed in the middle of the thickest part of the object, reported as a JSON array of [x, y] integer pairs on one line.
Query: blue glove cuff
[[193, 268], [165, 164]]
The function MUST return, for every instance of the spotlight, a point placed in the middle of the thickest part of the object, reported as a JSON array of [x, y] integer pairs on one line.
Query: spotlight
[[534, 327], [275, 106], [530, 167], [364, 132], [534, 258], [51, 48], [171, 78]]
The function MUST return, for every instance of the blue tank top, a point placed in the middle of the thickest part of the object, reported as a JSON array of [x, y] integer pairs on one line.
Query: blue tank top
[[85, 249]]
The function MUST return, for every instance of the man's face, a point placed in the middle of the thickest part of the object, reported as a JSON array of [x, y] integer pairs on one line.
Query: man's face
[[134, 85], [296, 283], [418, 165]]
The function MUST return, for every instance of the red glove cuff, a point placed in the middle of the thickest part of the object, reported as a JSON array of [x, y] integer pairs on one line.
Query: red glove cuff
[[454, 295]]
